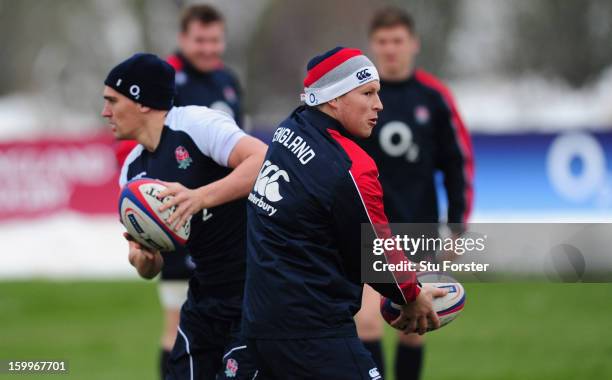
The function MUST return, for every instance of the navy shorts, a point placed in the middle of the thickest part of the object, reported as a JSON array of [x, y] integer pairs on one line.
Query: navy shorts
[[209, 345], [321, 358]]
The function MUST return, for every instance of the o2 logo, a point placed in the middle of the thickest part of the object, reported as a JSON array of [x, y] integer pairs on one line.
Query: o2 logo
[[396, 140], [576, 166], [135, 91]]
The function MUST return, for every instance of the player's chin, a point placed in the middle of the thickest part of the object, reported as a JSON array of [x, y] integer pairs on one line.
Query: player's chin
[[208, 63], [119, 135], [370, 125], [366, 131]]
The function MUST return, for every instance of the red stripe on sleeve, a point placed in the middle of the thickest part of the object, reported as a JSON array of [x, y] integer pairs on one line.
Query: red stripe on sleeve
[[365, 176], [328, 64], [463, 137]]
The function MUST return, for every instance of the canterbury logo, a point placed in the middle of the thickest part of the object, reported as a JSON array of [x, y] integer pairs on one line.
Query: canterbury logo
[[374, 374], [267, 185], [363, 74]]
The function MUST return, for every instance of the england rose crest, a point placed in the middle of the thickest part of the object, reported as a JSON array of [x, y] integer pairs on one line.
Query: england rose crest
[[421, 114], [182, 157], [231, 368]]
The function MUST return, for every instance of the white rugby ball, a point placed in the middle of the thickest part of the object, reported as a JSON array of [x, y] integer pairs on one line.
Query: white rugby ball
[[448, 307], [138, 210]]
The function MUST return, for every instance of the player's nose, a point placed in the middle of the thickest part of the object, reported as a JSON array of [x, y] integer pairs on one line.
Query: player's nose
[[106, 112], [378, 106]]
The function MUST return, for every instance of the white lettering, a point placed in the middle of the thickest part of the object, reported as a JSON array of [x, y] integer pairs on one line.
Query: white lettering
[[295, 144]]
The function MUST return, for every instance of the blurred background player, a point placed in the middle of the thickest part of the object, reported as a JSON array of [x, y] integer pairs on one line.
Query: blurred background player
[[315, 190], [204, 150], [419, 134], [201, 79]]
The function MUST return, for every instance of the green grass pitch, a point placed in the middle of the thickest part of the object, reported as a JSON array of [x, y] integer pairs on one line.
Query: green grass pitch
[[110, 330]]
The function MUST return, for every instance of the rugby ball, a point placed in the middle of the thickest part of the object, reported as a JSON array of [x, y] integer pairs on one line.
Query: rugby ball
[[448, 307], [139, 203]]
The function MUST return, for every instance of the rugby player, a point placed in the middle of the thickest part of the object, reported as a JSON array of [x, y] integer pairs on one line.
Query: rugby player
[[201, 79], [201, 76], [207, 163], [420, 133], [305, 213]]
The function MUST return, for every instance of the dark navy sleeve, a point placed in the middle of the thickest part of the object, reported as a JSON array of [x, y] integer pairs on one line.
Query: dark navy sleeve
[[455, 156], [452, 161]]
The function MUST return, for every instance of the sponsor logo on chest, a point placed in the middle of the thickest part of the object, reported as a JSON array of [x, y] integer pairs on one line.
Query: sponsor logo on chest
[[267, 187]]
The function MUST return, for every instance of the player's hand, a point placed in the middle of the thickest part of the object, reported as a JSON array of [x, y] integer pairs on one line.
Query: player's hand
[[187, 202], [415, 316], [147, 263]]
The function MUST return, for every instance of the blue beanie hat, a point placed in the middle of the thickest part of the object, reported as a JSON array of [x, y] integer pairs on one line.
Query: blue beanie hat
[[145, 79]]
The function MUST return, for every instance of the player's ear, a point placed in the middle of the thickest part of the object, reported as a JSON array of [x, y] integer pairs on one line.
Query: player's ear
[[333, 103], [143, 109]]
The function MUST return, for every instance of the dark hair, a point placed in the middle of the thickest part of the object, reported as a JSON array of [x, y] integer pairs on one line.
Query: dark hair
[[200, 12], [392, 16]]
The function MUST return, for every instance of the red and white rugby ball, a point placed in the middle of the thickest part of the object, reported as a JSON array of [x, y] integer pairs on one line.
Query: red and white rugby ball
[[448, 307], [139, 203]]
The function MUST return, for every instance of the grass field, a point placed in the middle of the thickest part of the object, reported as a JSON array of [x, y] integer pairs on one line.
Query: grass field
[[109, 330]]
